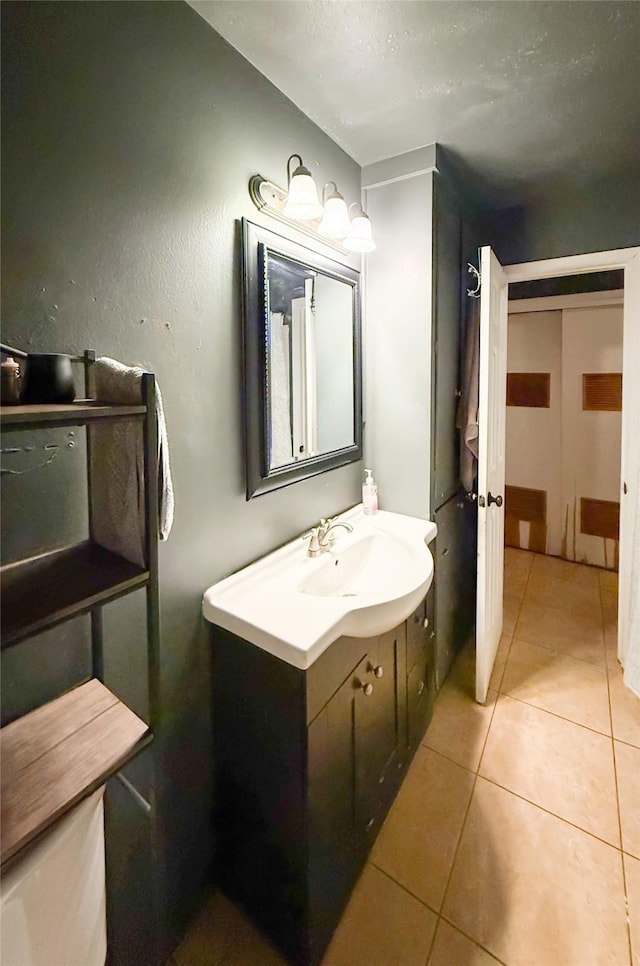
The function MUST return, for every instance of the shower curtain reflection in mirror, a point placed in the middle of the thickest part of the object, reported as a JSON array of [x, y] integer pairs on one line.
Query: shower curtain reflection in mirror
[[310, 363]]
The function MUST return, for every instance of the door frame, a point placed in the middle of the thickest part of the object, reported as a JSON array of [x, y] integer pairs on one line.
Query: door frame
[[627, 259]]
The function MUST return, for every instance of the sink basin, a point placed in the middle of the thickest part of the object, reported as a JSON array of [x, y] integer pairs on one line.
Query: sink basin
[[295, 606], [374, 566]]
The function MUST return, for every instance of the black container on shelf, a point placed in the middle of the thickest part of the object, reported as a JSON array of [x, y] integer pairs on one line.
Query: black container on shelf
[[49, 378]]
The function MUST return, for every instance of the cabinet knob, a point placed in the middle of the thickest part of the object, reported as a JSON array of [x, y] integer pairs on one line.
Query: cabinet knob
[[377, 670], [420, 688], [425, 623], [367, 688]]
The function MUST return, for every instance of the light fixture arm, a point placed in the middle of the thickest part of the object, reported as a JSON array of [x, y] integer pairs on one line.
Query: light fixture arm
[[324, 191], [289, 160]]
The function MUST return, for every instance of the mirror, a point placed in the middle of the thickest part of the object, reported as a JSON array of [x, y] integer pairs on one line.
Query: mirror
[[302, 358]]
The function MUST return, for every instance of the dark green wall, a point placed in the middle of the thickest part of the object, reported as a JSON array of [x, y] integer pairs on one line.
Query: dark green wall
[[572, 220], [129, 134]]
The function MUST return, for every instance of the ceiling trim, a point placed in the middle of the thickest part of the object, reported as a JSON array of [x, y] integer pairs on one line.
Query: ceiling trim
[[578, 300], [411, 164], [570, 265]]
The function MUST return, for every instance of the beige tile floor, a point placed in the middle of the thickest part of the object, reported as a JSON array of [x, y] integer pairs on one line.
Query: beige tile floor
[[515, 837]]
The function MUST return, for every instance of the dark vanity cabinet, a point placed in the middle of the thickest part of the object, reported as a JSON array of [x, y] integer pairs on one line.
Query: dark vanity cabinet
[[307, 765], [421, 677]]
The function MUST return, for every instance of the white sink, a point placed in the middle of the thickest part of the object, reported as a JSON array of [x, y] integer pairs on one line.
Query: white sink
[[295, 606], [369, 566]]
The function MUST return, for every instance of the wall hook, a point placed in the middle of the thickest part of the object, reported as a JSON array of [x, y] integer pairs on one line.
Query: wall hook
[[474, 293]]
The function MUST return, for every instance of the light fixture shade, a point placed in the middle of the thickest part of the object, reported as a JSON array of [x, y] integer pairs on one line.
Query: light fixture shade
[[335, 221], [302, 201], [360, 238]]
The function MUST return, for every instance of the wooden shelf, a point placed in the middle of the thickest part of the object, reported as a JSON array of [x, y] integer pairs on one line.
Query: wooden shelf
[[43, 591], [82, 411], [59, 754]]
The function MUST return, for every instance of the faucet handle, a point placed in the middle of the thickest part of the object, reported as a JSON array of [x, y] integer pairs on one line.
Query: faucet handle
[[313, 536]]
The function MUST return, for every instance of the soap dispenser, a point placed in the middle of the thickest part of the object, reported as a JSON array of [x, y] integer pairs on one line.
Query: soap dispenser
[[369, 495]]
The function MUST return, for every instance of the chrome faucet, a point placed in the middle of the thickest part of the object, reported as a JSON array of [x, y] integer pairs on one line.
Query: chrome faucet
[[321, 538]]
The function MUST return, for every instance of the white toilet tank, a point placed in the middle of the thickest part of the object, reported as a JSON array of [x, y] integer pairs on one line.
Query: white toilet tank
[[52, 905]]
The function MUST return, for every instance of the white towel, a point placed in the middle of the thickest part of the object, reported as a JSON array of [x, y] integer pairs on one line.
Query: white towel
[[117, 466]]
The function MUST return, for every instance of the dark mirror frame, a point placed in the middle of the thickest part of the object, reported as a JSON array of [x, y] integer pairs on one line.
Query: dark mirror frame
[[257, 242]]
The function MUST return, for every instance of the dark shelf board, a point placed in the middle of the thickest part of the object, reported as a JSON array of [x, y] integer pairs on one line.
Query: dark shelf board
[[82, 411], [43, 591], [60, 753]]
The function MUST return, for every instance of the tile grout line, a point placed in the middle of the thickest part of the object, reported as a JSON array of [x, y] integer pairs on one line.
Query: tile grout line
[[517, 620], [578, 724], [474, 941], [565, 610], [548, 811], [621, 741], [453, 761], [400, 885], [439, 918], [499, 688], [433, 940], [611, 737], [475, 780], [511, 640], [461, 833], [554, 650]]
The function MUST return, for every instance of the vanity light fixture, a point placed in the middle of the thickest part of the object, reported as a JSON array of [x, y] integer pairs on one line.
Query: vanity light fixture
[[335, 220], [359, 238], [333, 224], [302, 202]]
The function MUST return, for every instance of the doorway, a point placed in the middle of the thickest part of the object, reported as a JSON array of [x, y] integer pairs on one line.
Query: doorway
[[563, 425], [563, 451], [490, 552], [629, 261]]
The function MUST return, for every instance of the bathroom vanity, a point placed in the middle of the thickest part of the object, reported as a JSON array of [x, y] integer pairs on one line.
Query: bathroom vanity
[[308, 759]]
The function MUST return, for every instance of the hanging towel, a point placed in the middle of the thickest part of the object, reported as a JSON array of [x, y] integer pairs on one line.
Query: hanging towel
[[467, 415], [117, 466]]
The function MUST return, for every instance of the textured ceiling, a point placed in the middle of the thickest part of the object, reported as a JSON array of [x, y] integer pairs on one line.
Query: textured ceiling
[[523, 93]]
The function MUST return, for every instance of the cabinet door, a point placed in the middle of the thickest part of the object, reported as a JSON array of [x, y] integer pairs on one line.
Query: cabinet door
[[421, 687], [416, 635], [379, 729], [337, 845], [454, 584], [420, 628]]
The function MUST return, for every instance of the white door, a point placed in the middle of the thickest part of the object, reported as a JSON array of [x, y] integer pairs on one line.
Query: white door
[[491, 468], [629, 576]]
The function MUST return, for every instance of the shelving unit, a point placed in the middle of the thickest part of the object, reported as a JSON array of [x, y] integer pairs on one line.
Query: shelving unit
[[58, 754], [69, 414], [43, 591], [62, 751]]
